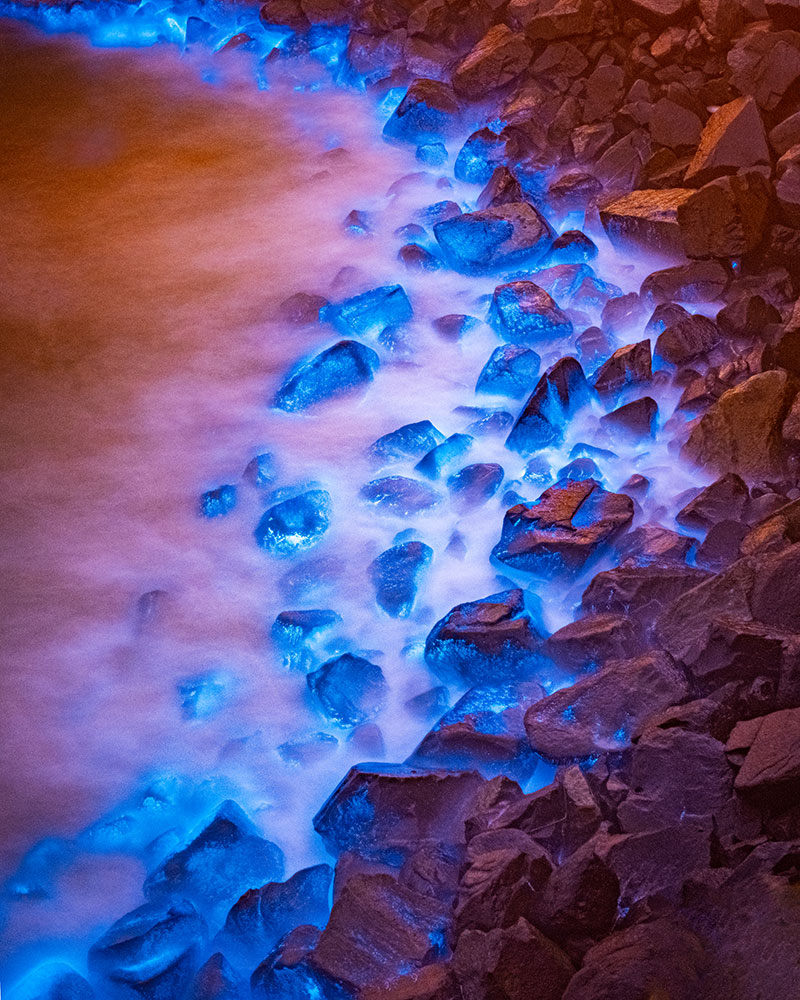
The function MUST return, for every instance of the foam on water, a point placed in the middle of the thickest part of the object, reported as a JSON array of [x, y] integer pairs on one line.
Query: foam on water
[[155, 222]]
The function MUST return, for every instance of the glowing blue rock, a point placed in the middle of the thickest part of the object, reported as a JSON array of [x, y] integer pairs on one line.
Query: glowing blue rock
[[369, 312], [400, 495], [481, 153], [205, 694], [39, 868], [522, 312], [52, 981], [260, 471], [360, 223], [350, 689], [580, 468], [510, 371], [593, 294], [434, 154], [490, 641], [218, 502], [438, 212], [443, 455], [500, 237], [428, 111], [407, 441], [563, 280], [417, 258], [560, 392], [334, 372], [295, 632], [572, 247], [287, 974], [151, 953], [485, 422], [226, 859], [307, 749], [264, 915], [296, 524], [395, 576], [218, 980], [475, 484]]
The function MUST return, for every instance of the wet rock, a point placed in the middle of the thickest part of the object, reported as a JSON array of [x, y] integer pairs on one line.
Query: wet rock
[[559, 393], [640, 591], [563, 529], [591, 641], [302, 308], [439, 458], [408, 441], [485, 422], [522, 312], [286, 971], [484, 730], [770, 746], [387, 811], [429, 704], [217, 980], [349, 688], [431, 982], [506, 236], [621, 166], [296, 524], [226, 859], [726, 217], [510, 371], [395, 576], [574, 192], [732, 139], [638, 418], [480, 155], [622, 312], [493, 640], [510, 964], [572, 247], [702, 281], [151, 952], [369, 312], [260, 471], [563, 280], [663, 316], [400, 496], [53, 981], [741, 431], [747, 316], [646, 219], [502, 188], [497, 59], [605, 711], [554, 18], [765, 64], [291, 630], [454, 325], [218, 502], [629, 365], [429, 111], [690, 337], [653, 545], [473, 485], [417, 258], [726, 498], [335, 371]]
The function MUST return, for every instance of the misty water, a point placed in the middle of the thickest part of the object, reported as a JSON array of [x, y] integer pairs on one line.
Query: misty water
[[157, 208]]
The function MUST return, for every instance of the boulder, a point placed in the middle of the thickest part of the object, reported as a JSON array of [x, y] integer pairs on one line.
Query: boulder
[[638, 418], [691, 337], [497, 59], [428, 111], [591, 641], [395, 576], [701, 281], [559, 393], [551, 19], [646, 219], [629, 365], [733, 139], [727, 217], [350, 690], [506, 236], [340, 369], [521, 313], [726, 498], [770, 746], [640, 591], [400, 495], [765, 64]]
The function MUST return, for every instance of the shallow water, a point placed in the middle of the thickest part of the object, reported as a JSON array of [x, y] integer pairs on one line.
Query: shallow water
[[153, 221]]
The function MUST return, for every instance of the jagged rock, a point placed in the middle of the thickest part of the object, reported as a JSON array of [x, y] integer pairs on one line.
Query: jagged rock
[[658, 12], [302, 308], [747, 316], [637, 418], [510, 371], [350, 689], [774, 598], [286, 972], [691, 337], [564, 528], [521, 312], [428, 111], [506, 236], [702, 281], [629, 365], [431, 982], [558, 394], [741, 432], [510, 964], [646, 219], [787, 192], [591, 641], [640, 591], [502, 188], [653, 545], [499, 886], [726, 217], [473, 485], [335, 371], [622, 312], [605, 711], [217, 980], [395, 576], [726, 498], [674, 126], [736, 651], [765, 64], [488, 641], [573, 191], [551, 19], [621, 166], [497, 59], [732, 139], [481, 154], [389, 813], [721, 545], [770, 746]]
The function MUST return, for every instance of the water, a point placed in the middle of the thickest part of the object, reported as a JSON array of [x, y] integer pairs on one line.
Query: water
[[157, 208]]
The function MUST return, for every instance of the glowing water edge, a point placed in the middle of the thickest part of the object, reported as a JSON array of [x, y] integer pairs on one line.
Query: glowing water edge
[[158, 207]]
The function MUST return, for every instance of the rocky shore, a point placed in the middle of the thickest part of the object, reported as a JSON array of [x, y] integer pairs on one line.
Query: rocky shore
[[662, 862]]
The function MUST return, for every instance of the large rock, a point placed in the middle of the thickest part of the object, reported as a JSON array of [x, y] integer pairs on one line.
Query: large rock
[[771, 749], [658, 13], [551, 19], [559, 393], [732, 139], [646, 220], [700, 281], [605, 711], [741, 432], [726, 217], [428, 111], [522, 313], [641, 592], [724, 499], [693, 336], [629, 365], [497, 59], [765, 64], [395, 576], [591, 641], [338, 370], [564, 528], [506, 236]]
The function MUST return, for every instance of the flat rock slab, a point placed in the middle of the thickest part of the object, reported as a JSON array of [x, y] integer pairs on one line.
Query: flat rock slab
[[646, 219]]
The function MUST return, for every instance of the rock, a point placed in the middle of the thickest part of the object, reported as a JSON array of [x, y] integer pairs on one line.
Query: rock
[[638, 418], [726, 217], [473, 485], [497, 59], [553, 19], [665, 315], [741, 431], [296, 524], [218, 502], [657, 12], [660, 957], [337, 370], [733, 139], [591, 641], [771, 748], [493, 640], [443, 455], [621, 166], [645, 219], [747, 316], [573, 192], [559, 393], [395, 576], [674, 126], [774, 599], [217, 980], [53, 981], [226, 859], [400, 496], [765, 64], [408, 441], [736, 651], [151, 952], [622, 312], [350, 689], [261, 470], [510, 371], [653, 545], [369, 312], [302, 308], [389, 812], [505, 869], [787, 192], [572, 247], [429, 111], [510, 964], [629, 365], [286, 971], [726, 498], [563, 529], [377, 931], [521, 312], [639, 591], [605, 711], [703, 281], [417, 258], [431, 982], [510, 235], [502, 188], [692, 336], [454, 326], [480, 155]]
